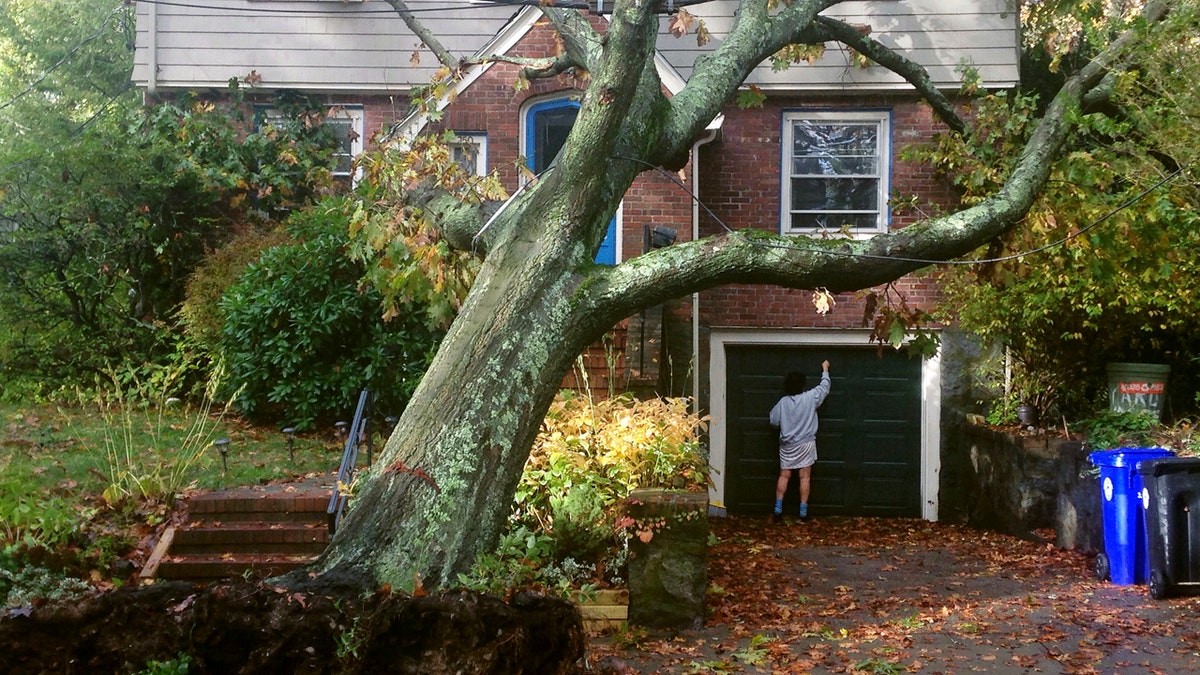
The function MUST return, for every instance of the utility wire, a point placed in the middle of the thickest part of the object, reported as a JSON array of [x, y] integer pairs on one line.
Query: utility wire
[[870, 256], [99, 31], [350, 9]]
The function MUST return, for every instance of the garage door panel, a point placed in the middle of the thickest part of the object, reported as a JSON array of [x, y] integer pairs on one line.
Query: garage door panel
[[829, 495], [884, 493], [868, 446], [888, 448]]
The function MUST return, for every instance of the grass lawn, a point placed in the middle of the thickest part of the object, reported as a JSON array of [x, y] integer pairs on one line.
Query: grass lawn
[[80, 486]]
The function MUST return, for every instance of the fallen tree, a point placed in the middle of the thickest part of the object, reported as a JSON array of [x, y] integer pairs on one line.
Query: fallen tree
[[442, 487]]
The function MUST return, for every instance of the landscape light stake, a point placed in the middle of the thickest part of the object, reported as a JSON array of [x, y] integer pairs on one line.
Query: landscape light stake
[[290, 432], [341, 429], [223, 448]]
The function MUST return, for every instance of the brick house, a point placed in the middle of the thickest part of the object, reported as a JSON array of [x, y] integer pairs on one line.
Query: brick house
[[881, 438]]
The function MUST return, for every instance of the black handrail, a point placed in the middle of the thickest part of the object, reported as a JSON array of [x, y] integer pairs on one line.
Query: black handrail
[[360, 433]]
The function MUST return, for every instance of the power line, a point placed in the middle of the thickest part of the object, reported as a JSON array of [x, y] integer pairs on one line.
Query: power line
[[869, 256], [71, 52], [352, 10]]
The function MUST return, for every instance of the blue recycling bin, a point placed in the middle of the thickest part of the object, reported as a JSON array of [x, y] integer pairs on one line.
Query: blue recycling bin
[[1124, 560]]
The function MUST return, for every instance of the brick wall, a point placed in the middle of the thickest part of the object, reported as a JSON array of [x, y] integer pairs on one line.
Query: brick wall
[[740, 182]]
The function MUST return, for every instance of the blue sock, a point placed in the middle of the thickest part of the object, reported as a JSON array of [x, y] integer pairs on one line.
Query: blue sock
[[778, 506], [804, 508]]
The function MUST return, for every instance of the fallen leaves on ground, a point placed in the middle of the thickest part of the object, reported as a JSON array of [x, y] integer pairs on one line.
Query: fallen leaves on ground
[[857, 595]]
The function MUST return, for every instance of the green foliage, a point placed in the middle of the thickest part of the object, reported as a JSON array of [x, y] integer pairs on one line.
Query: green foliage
[[99, 240], [154, 462], [301, 338], [35, 520], [105, 207], [524, 558], [587, 459], [582, 528], [1104, 267], [26, 583], [201, 311], [179, 665], [407, 260], [1003, 411], [604, 450], [1111, 429]]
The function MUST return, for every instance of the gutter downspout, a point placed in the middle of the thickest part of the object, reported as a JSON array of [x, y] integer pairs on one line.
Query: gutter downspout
[[713, 129], [152, 48]]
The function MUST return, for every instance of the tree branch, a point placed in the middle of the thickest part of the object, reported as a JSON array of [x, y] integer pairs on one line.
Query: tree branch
[[429, 39], [754, 37], [580, 40], [761, 257], [916, 75], [459, 223]]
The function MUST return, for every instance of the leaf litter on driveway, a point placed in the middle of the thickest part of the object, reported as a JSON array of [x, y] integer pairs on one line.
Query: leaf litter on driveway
[[862, 595]]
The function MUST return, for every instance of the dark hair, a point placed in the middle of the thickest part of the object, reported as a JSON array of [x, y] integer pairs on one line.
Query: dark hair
[[794, 383]]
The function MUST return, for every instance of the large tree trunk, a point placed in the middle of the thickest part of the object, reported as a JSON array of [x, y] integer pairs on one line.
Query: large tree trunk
[[439, 493]]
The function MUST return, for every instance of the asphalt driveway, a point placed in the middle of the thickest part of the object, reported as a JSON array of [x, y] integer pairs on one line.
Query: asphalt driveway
[[848, 595]]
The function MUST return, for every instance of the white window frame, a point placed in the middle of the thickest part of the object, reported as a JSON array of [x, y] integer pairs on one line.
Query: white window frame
[[337, 113], [354, 115], [882, 120], [477, 140]]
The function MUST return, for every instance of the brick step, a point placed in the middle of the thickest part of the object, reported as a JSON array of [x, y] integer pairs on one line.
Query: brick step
[[263, 509], [238, 538], [207, 568], [266, 517]]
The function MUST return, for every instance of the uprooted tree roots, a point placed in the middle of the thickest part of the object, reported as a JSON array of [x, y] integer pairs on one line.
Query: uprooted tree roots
[[245, 627]]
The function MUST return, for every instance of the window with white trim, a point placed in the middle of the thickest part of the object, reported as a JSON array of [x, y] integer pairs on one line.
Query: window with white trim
[[835, 172], [469, 150], [346, 124]]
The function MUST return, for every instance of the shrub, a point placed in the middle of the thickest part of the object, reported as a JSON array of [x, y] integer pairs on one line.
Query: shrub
[[301, 337], [201, 311], [587, 459]]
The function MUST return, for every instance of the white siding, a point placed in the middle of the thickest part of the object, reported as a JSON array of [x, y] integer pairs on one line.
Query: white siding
[[937, 34], [316, 45], [330, 45]]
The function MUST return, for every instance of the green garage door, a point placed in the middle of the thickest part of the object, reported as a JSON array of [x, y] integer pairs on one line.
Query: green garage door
[[869, 443]]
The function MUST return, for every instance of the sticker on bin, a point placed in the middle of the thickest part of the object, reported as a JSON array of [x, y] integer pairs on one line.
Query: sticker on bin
[[1141, 388], [1146, 498], [1108, 489]]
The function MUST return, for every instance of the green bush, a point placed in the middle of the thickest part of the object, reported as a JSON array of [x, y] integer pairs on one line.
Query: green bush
[[201, 309], [588, 458], [301, 337]]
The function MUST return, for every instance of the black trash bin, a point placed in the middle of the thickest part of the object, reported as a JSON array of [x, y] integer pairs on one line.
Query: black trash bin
[[1171, 496]]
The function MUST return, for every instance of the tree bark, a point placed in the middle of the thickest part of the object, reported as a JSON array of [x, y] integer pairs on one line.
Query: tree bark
[[440, 491]]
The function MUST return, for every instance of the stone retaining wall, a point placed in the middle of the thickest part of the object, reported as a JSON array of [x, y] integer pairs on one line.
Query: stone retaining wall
[[1020, 484]]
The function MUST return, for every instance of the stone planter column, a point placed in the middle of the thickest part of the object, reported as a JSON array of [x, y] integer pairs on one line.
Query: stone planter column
[[668, 561]]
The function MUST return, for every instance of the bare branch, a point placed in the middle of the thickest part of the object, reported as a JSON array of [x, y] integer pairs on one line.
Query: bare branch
[[428, 38], [916, 75]]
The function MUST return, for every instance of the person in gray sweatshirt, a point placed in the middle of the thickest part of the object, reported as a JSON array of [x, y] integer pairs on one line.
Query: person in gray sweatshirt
[[795, 415]]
